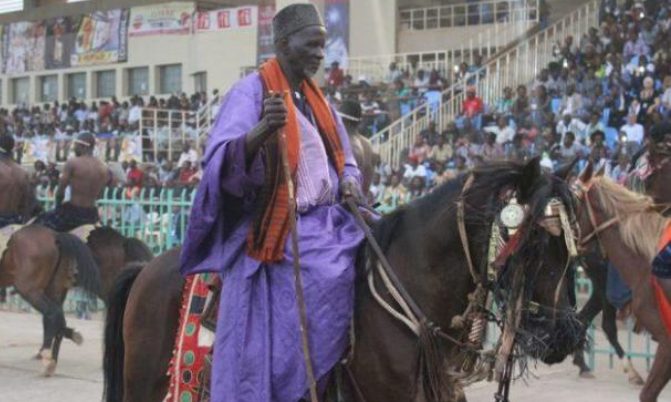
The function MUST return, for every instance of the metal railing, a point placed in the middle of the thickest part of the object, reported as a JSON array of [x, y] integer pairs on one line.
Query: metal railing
[[516, 66], [468, 14], [485, 44]]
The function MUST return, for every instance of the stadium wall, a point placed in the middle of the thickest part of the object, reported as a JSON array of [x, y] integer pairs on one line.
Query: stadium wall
[[220, 55]]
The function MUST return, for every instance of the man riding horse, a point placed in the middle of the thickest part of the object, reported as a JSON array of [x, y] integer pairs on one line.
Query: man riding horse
[[657, 186], [239, 225], [86, 176], [17, 198]]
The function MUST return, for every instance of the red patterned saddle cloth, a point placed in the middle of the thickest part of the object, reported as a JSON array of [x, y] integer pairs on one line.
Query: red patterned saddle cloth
[[191, 362]]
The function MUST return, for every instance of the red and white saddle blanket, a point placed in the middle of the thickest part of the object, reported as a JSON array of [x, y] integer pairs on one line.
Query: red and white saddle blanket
[[191, 362]]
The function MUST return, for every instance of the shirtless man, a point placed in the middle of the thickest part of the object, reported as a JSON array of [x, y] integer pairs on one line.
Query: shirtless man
[[17, 197], [86, 176]]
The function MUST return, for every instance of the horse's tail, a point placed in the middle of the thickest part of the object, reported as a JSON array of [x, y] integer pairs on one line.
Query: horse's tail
[[113, 357], [136, 251], [88, 273]]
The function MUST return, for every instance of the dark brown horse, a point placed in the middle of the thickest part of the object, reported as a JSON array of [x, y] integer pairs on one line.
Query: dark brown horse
[[628, 228], [424, 247], [43, 265]]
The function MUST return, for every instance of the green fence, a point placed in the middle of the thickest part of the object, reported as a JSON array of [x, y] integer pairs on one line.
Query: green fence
[[158, 217], [636, 346]]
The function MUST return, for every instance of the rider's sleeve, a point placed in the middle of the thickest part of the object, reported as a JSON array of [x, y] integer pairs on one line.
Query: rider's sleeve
[[661, 265]]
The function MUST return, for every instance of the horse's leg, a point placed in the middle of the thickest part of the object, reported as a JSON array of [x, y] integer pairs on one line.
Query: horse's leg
[[586, 315], [609, 326], [53, 321], [659, 374]]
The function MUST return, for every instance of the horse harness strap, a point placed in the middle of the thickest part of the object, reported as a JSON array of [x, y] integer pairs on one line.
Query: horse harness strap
[[414, 317], [461, 224], [598, 228]]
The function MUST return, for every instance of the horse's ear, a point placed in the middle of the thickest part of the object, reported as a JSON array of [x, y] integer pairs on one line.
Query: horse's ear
[[564, 171], [587, 173], [531, 172]]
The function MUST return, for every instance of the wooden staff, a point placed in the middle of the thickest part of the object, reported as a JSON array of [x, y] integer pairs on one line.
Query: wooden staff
[[300, 297]]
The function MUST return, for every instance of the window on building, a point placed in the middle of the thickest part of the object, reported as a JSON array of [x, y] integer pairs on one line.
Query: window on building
[[48, 88], [200, 81], [170, 79], [105, 84], [20, 90], [138, 81], [8, 6], [77, 85]]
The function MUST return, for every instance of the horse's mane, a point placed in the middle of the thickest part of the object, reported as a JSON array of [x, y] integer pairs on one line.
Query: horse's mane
[[639, 225]]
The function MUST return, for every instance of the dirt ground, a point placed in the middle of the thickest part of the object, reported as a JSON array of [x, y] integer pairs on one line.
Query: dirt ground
[[79, 374]]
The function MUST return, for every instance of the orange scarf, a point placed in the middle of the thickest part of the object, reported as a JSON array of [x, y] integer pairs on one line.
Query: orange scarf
[[270, 229], [662, 303]]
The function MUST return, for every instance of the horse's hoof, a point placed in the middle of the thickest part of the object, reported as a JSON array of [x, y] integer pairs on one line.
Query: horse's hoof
[[77, 338], [587, 375], [636, 380], [48, 362], [49, 367]]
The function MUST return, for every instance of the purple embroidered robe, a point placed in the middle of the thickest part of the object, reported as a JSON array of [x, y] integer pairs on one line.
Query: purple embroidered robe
[[258, 355]]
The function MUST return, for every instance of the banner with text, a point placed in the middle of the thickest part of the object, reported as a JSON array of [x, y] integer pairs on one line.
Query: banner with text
[[228, 18], [161, 19]]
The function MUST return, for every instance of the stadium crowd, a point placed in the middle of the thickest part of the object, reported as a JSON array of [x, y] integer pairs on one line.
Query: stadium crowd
[[596, 101]]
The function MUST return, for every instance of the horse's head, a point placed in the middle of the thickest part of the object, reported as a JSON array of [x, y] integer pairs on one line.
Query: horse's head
[[537, 277]]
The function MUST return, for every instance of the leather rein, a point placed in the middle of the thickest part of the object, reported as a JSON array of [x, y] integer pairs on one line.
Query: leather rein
[[582, 193]]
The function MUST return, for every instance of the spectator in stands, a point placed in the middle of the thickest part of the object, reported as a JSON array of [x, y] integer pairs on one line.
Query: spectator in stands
[[336, 75], [598, 149], [39, 172], [571, 124], [188, 154], [166, 173], [594, 125], [135, 175], [53, 174], [376, 189], [135, 113], [430, 133], [403, 97], [491, 149], [393, 195], [569, 148], [420, 149], [413, 169], [635, 46], [417, 188], [441, 151], [520, 108], [504, 105], [421, 82], [187, 173], [540, 108], [648, 99], [518, 151], [633, 131], [572, 102], [394, 73], [472, 108], [503, 132]]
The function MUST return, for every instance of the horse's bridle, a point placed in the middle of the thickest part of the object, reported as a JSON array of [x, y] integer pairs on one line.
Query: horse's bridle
[[581, 191]]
